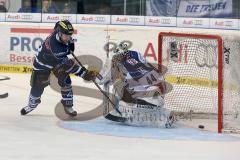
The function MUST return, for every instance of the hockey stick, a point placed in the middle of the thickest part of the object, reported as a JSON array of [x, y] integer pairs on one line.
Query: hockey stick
[[98, 86], [5, 95]]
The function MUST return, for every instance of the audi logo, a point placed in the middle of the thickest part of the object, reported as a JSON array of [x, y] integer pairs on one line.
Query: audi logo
[[229, 23], [198, 22], [27, 17], [99, 19], [67, 17], [134, 20], [165, 21]]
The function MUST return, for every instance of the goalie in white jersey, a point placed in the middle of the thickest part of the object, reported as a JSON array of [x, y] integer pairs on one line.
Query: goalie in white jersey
[[138, 88]]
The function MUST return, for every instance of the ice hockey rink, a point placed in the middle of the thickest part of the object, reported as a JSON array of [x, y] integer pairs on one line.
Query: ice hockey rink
[[41, 135]]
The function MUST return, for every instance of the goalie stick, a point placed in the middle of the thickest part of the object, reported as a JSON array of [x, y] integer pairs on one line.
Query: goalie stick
[[108, 116]]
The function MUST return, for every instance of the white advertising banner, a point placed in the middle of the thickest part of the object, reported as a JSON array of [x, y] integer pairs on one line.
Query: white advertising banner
[[160, 21], [239, 24], [127, 20], [193, 22], [53, 18], [93, 19], [221, 23], [205, 8], [19, 41], [23, 17], [2, 17]]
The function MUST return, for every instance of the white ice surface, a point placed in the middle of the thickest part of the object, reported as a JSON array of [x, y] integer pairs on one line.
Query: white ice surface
[[40, 135]]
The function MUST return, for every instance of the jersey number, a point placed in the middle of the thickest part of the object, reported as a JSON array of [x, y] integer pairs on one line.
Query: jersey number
[[150, 79]]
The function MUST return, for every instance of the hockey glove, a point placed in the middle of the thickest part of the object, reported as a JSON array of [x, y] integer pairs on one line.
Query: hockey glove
[[89, 75], [119, 58]]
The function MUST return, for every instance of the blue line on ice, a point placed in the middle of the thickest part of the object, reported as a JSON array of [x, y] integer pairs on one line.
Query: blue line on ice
[[105, 127]]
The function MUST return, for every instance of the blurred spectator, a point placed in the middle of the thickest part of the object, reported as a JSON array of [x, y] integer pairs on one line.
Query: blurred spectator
[[2, 6], [68, 9], [103, 9], [117, 7], [26, 7], [47, 8]]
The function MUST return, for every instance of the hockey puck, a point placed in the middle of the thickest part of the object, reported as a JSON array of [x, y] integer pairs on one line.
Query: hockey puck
[[201, 126]]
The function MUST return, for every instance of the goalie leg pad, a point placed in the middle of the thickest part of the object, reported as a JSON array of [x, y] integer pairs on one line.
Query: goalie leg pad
[[146, 114], [170, 121]]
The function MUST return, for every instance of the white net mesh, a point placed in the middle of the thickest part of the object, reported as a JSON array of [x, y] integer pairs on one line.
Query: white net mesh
[[231, 92], [192, 64]]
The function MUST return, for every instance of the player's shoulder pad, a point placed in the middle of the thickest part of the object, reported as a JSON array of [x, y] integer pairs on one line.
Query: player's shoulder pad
[[137, 55], [133, 54]]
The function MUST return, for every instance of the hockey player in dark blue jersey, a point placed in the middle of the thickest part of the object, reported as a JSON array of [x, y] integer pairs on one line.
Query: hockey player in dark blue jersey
[[52, 56]]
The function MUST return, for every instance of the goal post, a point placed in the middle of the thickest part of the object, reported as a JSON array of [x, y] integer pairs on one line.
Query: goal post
[[195, 65]]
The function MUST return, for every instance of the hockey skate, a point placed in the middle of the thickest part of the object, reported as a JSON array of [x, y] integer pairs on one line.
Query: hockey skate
[[70, 111], [68, 108], [32, 104], [26, 110]]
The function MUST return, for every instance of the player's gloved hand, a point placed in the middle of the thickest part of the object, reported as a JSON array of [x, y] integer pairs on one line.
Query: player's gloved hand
[[90, 75]]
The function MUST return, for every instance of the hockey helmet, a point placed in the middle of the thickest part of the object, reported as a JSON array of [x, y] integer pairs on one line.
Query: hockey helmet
[[122, 48], [65, 27]]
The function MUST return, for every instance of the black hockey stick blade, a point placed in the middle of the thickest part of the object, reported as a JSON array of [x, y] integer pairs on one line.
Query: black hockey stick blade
[[114, 118], [4, 78], [60, 113], [5, 95]]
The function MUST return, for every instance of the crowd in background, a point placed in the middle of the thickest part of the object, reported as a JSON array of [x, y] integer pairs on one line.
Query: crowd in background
[[41, 6], [123, 7]]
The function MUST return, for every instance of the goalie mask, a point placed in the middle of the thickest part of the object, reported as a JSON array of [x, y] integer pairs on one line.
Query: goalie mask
[[122, 48]]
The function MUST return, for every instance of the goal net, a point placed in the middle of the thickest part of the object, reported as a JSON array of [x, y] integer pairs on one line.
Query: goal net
[[201, 71]]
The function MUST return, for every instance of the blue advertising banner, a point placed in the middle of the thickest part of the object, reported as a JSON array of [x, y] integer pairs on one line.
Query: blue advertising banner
[[190, 8], [205, 8], [166, 8]]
